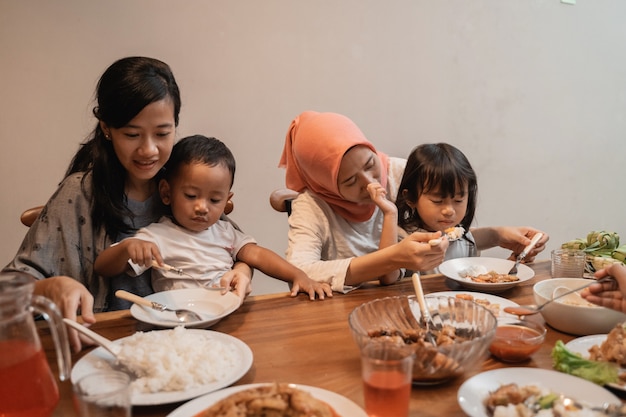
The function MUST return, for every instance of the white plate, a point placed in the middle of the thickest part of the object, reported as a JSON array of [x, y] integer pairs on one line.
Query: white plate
[[493, 299], [99, 359], [454, 267], [339, 403], [209, 304], [581, 345], [474, 391]]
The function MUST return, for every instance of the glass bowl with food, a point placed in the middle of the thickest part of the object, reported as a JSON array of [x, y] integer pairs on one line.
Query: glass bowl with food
[[462, 330]]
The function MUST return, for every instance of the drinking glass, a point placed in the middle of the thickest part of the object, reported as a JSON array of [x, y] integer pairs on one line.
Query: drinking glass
[[387, 372], [103, 394], [568, 263]]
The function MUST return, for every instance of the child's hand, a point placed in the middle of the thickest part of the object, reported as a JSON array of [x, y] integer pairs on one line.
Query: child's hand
[[378, 194], [238, 281], [302, 283], [142, 252]]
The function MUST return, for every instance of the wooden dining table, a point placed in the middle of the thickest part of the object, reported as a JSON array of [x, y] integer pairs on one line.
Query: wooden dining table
[[295, 340]]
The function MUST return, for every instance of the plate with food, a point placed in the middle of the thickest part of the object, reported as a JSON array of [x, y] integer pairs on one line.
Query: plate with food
[[211, 305], [480, 395], [604, 348], [485, 274], [172, 365], [283, 399], [491, 302]]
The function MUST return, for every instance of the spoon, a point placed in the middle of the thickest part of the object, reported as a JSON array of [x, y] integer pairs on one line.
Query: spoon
[[100, 340], [428, 321], [184, 316], [180, 271], [529, 309], [133, 367], [527, 249]]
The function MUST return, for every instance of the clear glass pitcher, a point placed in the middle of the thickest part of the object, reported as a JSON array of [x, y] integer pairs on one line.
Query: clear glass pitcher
[[27, 386]]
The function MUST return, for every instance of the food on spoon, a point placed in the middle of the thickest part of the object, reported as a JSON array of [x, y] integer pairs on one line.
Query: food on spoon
[[569, 362], [454, 233], [274, 400], [512, 400], [451, 233]]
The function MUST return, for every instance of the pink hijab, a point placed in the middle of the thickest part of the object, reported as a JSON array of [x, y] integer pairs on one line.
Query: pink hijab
[[314, 147]]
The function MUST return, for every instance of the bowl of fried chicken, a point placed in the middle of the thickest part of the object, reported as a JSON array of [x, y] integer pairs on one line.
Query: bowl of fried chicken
[[457, 339]]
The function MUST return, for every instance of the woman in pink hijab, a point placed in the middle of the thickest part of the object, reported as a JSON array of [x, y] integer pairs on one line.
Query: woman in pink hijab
[[343, 225]]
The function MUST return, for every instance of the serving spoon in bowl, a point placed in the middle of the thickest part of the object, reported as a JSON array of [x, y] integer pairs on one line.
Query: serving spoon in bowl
[[426, 318], [184, 316], [530, 309]]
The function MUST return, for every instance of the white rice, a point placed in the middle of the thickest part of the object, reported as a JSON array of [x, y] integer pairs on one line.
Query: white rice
[[177, 359], [473, 271]]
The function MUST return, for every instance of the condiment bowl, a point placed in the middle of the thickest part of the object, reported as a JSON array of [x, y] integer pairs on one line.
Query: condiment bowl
[[573, 314], [470, 326], [516, 341]]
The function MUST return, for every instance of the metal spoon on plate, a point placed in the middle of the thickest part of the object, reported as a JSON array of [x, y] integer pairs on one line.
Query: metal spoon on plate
[[100, 340], [529, 309], [114, 349], [184, 316]]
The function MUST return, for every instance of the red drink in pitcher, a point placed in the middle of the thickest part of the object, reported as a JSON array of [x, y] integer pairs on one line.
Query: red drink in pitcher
[[387, 394], [27, 387]]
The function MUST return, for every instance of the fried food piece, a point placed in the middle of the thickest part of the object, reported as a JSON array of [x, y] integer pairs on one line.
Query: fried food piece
[[277, 400], [493, 307], [493, 277], [509, 394], [613, 349]]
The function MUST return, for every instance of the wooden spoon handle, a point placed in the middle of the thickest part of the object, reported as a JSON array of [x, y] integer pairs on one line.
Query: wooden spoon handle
[[125, 295]]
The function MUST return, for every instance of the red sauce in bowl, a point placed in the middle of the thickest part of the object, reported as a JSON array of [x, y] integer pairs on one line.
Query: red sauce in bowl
[[516, 342]]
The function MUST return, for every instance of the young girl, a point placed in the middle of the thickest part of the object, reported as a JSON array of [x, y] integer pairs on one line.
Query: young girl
[[197, 185], [438, 193]]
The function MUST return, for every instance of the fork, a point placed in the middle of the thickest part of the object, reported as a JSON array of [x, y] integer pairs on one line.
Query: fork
[[527, 249], [181, 272]]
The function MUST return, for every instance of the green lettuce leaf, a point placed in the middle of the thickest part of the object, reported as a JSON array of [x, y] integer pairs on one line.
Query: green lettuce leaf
[[595, 371]]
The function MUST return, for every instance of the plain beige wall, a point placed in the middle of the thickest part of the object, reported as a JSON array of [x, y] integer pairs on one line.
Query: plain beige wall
[[532, 91]]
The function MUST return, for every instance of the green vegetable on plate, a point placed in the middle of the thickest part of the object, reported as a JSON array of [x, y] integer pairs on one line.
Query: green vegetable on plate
[[599, 372]]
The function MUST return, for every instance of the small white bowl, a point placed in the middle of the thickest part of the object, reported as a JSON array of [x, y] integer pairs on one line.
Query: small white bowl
[[211, 305], [579, 319]]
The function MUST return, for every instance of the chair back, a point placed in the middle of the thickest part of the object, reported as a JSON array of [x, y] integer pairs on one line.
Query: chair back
[[281, 199]]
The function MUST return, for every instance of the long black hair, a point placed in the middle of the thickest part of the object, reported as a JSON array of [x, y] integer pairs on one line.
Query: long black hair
[[125, 88], [435, 166]]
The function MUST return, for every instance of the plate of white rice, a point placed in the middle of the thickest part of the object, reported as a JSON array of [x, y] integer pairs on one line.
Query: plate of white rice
[[173, 365]]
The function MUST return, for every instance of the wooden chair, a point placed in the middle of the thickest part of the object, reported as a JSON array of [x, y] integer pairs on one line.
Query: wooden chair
[[29, 216], [281, 199]]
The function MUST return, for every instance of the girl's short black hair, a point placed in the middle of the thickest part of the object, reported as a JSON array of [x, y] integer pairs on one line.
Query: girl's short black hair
[[435, 166]]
